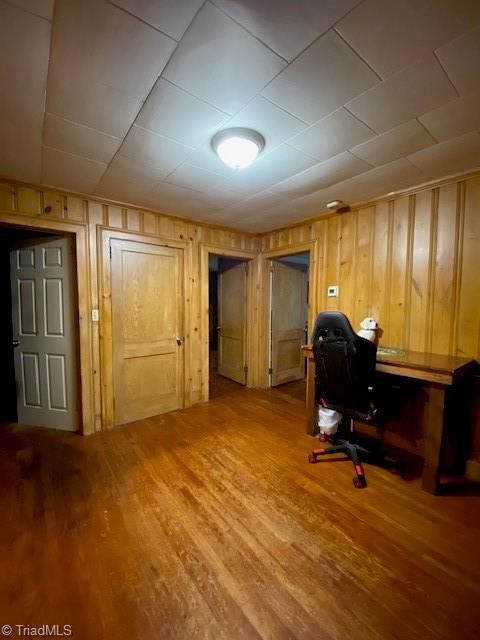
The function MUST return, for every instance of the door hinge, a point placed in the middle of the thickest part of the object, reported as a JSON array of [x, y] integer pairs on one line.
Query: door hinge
[[245, 368], [110, 251], [270, 371]]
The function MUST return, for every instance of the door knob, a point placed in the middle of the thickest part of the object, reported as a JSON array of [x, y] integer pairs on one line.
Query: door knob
[[180, 340], [15, 343]]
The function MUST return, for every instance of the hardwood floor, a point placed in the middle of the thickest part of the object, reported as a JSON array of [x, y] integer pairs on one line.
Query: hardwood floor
[[210, 523]]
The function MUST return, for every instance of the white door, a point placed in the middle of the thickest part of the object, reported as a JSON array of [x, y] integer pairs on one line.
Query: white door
[[44, 333], [288, 317], [232, 301]]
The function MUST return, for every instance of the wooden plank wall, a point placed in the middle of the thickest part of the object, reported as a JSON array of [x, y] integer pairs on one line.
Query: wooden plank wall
[[412, 262], [30, 202]]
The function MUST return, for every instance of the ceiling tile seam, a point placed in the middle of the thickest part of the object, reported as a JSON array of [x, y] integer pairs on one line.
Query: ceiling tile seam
[[297, 57], [257, 94], [74, 155], [372, 166], [375, 133], [192, 95], [49, 68], [164, 181], [233, 115], [84, 126], [243, 29], [161, 135], [239, 24], [351, 10], [23, 10], [356, 53], [77, 155], [277, 106], [445, 71], [138, 19], [149, 92], [192, 164], [425, 128], [299, 173], [407, 159]]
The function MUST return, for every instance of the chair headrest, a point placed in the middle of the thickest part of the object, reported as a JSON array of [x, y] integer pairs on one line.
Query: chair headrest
[[333, 325]]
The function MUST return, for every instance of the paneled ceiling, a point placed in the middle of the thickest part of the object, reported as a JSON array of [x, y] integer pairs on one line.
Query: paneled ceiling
[[354, 98]]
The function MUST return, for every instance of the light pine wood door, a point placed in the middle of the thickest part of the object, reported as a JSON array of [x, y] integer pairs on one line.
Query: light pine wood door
[[147, 329], [288, 317], [232, 301], [44, 332]]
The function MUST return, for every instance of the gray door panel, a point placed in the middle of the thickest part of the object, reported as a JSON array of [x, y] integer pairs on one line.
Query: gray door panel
[[43, 323]]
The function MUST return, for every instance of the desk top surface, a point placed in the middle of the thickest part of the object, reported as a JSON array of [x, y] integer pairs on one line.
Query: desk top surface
[[417, 360]]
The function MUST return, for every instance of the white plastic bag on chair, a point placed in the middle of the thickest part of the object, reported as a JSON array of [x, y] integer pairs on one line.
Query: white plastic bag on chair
[[328, 421]]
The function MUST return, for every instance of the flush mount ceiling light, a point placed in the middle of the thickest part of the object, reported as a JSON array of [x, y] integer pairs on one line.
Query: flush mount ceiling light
[[238, 147], [334, 204]]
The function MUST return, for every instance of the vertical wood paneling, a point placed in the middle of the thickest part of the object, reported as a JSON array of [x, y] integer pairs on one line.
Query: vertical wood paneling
[[133, 220], [149, 223], [28, 200], [443, 299], [7, 197], [469, 307], [96, 217], [76, 209], [346, 275], [115, 217], [413, 263], [54, 204], [380, 265], [394, 331], [420, 274], [318, 277], [363, 267], [332, 265]]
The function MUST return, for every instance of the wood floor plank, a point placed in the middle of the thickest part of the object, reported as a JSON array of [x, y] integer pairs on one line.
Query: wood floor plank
[[210, 523]]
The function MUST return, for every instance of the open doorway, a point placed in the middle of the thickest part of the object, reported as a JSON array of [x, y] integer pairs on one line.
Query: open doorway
[[289, 303], [38, 339], [227, 304]]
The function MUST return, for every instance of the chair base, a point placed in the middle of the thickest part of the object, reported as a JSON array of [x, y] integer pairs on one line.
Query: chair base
[[353, 452]]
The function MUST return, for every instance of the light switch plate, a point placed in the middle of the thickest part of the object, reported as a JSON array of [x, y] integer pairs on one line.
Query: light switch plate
[[332, 291], [95, 315]]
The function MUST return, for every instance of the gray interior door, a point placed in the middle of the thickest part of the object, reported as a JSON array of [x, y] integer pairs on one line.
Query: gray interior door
[[44, 332]]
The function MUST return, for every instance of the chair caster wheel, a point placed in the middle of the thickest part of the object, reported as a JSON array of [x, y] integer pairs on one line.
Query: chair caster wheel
[[312, 458], [359, 482]]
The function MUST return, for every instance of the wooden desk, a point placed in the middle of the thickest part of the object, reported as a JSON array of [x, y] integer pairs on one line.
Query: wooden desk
[[440, 373]]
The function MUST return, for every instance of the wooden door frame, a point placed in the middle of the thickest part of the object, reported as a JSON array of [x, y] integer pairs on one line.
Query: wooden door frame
[[82, 286], [311, 248], [217, 250], [104, 237]]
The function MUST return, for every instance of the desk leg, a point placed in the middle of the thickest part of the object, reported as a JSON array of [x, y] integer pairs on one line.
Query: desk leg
[[310, 400], [435, 431]]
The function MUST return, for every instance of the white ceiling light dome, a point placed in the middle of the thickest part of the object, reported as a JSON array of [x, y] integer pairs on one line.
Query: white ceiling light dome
[[238, 147]]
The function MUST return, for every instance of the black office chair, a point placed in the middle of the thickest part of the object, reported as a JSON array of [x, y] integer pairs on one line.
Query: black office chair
[[345, 381]]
